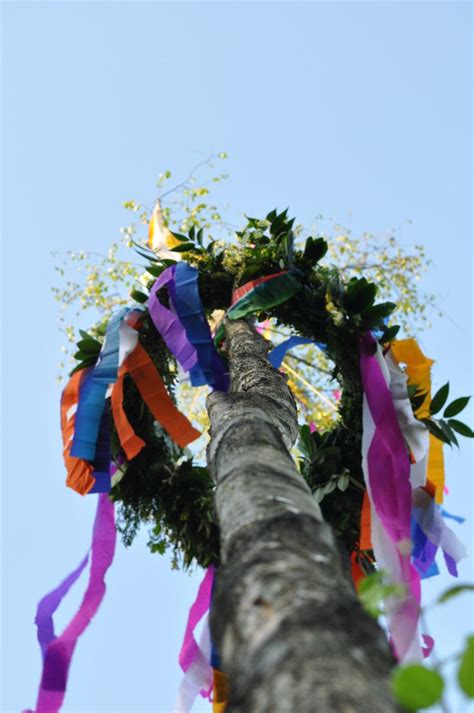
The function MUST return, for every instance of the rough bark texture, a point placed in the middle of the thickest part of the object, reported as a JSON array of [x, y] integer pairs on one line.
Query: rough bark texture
[[286, 621]]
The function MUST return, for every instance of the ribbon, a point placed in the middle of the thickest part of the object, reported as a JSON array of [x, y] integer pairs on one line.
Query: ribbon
[[153, 391], [59, 650], [187, 302], [414, 432], [386, 470], [168, 324], [130, 442], [260, 295], [194, 658], [92, 397], [438, 535], [277, 354], [79, 472]]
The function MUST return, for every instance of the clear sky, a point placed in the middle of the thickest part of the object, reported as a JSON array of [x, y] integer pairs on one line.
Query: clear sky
[[358, 111]]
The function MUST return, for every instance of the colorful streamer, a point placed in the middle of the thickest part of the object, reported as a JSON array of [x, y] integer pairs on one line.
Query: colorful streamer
[[195, 658], [79, 472], [386, 469], [130, 442], [168, 325], [187, 302], [92, 397], [153, 391], [59, 650], [277, 354]]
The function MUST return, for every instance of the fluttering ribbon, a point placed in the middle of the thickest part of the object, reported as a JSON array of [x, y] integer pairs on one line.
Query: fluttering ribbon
[[278, 353], [168, 324], [153, 391], [58, 651], [195, 658], [437, 534], [386, 468], [415, 433], [79, 473], [260, 295], [92, 397], [187, 302]]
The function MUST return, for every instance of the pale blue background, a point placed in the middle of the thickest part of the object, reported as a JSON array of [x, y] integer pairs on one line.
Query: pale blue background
[[359, 111]]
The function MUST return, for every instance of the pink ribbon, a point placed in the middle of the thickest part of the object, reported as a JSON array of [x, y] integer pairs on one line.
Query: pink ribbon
[[59, 651], [190, 649], [386, 468]]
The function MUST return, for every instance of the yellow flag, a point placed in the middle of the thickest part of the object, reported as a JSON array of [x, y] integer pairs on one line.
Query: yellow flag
[[160, 239]]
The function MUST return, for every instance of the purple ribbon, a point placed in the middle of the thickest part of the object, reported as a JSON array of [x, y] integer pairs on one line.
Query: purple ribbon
[[390, 490], [59, 650], [168, 324]]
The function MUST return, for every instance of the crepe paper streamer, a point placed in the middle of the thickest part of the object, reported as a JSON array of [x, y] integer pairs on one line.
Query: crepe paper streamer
[[365, 540], [48, 605], [168, 325], [92, 397], [103, 454], [194, 658], [244, 289], [160, 238], [433, 526], [153, 391], [221, 691], [198, 678], [130, 442], [277, 354], [386, 470], [436, 471], [414, 432], [187, 302], [418, 369], [79, 472], [448, 515], [59, 651], [428, 647], [264, 294]]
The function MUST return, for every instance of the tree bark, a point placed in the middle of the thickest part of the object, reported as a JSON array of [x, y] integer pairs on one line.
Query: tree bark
[[286, 621]]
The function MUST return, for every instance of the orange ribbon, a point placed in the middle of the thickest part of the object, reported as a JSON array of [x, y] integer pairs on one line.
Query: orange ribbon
[[153, 391], [221, 691], [79, 471], [130, 442]]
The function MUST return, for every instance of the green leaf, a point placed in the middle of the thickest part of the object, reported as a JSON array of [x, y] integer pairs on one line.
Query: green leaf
[[373, 316], [155, 270], [439, 399], [466, 668], [415, 686], [456, 406], [306, 444], [84, 335], [454, 592], [448, 432], [91, 361], [183, 248], [89, 346], [315, 249], [360, 295], [461, 428], [138, 296], [435, 430], [389, 334]]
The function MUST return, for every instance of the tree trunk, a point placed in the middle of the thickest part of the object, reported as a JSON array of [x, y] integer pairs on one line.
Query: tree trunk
[[286, 621]]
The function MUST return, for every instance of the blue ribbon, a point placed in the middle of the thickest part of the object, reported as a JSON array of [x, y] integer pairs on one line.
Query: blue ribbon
[[93, 390], [448, 515], [102, 454], [277, 354], [209, 368]]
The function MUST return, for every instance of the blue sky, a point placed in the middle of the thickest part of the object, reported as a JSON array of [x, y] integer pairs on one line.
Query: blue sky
[[358, 111]]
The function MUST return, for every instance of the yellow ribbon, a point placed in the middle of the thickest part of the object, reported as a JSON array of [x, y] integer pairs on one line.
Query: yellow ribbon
[[418, 371]]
